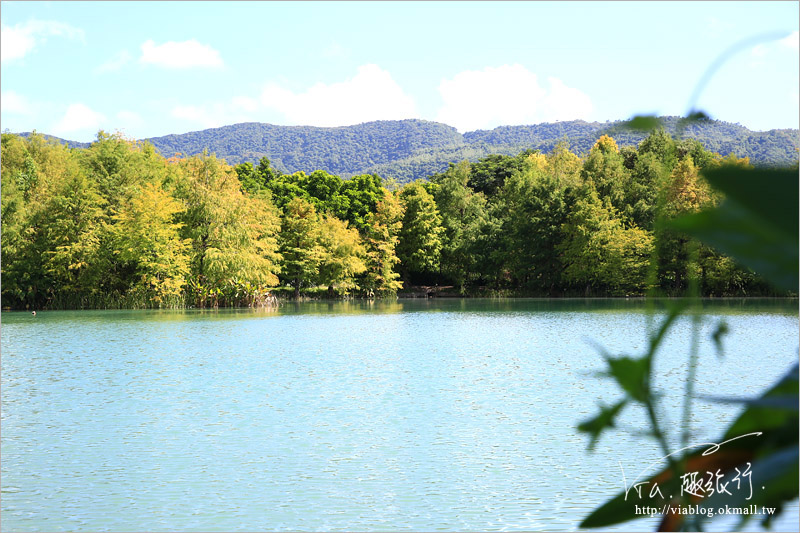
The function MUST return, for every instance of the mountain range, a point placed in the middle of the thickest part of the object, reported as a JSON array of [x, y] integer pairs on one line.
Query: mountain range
[[411, 149]]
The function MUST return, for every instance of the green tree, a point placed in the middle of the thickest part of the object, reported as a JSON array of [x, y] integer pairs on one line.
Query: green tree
[[52, 222], [72, 223], [564, 166], [343, 255], [463, 213], [685, 192], [250, 179], [490, 173], [361, 195], [147, 237], [21, 263], [641, 193], [324, 192], [660, 144], [256, 178], [599, 253], [381, 236], [233, 237], [531, 209], [682, 193], [285, 187], [299, 244], [692, 147], [266, 171], [119, 165], [604, 167], [420, 239], [33, 169]]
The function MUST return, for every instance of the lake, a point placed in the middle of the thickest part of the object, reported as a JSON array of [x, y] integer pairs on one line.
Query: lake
[[429, 415]]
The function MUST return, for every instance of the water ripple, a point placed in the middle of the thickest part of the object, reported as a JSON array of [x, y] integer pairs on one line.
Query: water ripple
[[394, 416]]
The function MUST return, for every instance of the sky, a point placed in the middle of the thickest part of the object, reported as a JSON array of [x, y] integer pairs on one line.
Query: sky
[[153, 68]]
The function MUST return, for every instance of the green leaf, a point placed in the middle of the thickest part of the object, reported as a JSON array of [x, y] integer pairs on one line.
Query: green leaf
[[721, 331], [632, 375], [757, 223], [775, 471], [757, 418], [604, 420], [643, 123], [695, 116], [768, 194], [774, 402], [674, 311], [738, 232], [773, 479]]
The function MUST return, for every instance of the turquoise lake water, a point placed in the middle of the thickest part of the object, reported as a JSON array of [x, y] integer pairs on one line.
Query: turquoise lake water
[[427, 415]]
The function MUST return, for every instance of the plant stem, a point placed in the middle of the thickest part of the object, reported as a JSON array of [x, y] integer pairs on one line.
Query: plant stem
[[691, 372]]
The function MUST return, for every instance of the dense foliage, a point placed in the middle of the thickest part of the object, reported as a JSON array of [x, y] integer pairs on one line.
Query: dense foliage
[[117, 224], [757, 224], [407, 150]]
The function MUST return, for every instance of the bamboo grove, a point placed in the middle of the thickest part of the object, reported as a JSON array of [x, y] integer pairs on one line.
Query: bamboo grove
[[118, 225]]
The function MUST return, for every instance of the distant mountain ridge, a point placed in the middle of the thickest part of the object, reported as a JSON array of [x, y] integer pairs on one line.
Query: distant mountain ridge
[[411, 149]]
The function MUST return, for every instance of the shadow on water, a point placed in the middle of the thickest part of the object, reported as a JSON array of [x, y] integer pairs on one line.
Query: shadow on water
[[724, 306]]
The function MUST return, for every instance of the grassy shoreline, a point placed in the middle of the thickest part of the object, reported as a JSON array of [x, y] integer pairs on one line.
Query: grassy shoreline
[[284, 298]]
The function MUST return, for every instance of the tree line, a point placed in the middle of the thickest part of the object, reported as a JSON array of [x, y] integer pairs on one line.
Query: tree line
[[118, 225]]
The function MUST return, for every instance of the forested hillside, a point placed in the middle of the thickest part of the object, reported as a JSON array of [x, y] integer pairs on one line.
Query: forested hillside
[[346, 150], [411, 149], [767, 148]]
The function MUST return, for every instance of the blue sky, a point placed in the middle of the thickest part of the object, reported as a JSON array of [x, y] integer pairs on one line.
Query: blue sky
[[154, 68]]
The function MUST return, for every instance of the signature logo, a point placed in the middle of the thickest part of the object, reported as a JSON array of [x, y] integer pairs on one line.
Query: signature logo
[[700, 484]]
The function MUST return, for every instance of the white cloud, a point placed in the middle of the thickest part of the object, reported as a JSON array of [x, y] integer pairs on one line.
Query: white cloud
[[14, 103], [507, 95], [371, 94], [565, 103], [186, 54], [79, 118], [115, 63], [791, 41], [16, 41]]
